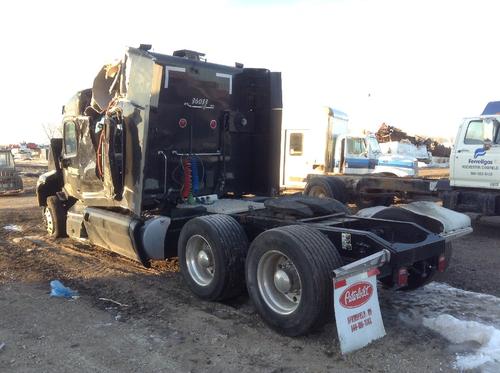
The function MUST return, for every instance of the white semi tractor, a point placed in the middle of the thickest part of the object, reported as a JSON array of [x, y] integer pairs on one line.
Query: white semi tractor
[[324, 157]]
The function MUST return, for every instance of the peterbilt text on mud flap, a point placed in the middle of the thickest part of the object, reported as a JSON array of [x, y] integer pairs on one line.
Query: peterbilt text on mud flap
[[10, 181], [174, 156]]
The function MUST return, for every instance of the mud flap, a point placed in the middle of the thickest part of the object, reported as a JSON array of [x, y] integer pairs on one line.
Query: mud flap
[[357, 309]]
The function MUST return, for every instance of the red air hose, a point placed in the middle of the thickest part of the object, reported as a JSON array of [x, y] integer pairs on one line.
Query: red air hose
[[99, 155], [186, 190]]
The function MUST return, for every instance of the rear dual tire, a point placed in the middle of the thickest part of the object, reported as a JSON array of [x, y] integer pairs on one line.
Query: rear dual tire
[[288, 275], [287, 270], [212, 251]]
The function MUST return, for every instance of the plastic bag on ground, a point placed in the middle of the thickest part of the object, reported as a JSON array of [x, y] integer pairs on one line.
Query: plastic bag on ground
[[61, 291]]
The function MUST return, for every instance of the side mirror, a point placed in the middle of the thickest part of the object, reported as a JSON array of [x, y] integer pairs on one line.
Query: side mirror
[[487, 144]]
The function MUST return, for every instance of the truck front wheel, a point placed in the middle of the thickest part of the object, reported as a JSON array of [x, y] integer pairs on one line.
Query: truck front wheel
[[55, 217], [212, 252], [288, 278]]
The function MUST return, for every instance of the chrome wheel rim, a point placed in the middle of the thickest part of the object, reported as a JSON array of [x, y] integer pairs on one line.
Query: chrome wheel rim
[[279, 282], [200, 260], [49, 221]]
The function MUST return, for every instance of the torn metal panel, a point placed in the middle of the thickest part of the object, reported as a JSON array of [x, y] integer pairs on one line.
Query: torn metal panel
[[141, 124]]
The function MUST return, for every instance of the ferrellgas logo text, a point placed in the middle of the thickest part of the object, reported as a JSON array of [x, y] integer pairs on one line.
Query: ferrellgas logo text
[[356, 295], [481, 161]]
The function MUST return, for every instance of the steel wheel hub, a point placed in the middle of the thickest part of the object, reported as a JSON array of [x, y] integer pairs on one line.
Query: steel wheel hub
[[49, 220], [279, 282], [282, 281], [317, 191], [200, 260]]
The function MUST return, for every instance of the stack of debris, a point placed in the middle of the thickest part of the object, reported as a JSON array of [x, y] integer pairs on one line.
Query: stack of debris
[[388, 133]]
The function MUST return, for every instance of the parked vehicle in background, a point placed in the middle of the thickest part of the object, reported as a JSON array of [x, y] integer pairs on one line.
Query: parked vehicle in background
[[325, 145], [474, 183], [10, 180]]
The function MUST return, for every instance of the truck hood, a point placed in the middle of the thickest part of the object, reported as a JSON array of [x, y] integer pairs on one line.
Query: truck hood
[[397, 160], [8, 172]]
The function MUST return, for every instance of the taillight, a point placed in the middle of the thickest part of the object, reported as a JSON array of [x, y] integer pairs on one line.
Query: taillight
[[402, 277], [441, 263]]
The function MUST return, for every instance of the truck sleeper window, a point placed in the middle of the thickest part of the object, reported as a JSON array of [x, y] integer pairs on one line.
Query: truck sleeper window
[[296, 143]]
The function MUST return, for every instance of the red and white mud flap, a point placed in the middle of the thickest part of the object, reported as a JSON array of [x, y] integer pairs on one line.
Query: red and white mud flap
[[357, 310]]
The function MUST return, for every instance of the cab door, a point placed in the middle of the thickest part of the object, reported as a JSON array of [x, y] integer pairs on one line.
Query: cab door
[[356, 156], [475, 159], [69, 160]]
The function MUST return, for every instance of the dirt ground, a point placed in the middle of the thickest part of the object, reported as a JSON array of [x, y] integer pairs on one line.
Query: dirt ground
[[130, 319]]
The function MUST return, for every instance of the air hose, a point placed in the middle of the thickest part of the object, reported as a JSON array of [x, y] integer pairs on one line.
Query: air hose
[[186, 190], [195, 175]]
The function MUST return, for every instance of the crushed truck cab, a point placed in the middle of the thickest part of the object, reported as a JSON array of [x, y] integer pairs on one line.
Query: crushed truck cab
[[174, 156]]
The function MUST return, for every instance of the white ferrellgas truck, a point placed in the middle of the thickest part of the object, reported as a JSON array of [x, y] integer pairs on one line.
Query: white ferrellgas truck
[[474, 183], [322, 156]]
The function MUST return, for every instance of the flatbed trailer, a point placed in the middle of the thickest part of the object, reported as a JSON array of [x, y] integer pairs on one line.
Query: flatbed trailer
[[369, 190]]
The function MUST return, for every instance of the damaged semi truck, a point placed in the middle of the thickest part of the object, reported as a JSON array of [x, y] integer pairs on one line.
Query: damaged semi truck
[[174, 156]]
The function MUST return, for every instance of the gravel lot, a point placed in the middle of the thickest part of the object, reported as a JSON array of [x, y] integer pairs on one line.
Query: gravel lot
[[130, 319]]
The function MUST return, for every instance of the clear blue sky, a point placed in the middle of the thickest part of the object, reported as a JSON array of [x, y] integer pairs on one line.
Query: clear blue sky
[[420, 65]]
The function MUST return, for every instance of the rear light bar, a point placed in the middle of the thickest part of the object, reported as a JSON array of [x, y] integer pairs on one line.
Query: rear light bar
[[441, 263], [402, 276]]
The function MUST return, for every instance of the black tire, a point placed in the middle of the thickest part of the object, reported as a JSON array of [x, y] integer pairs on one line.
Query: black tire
[[314, 257], [339, 206], [395, 213], [362, 203], [326, 187], [55, 217], [228, 247]]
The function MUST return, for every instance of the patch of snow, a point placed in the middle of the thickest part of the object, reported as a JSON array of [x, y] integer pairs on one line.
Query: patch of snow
[[469, 320], [13, 228], [460, 331], [438, 298]]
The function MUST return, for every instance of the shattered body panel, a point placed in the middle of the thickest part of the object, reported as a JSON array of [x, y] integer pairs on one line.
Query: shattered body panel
[[149, 114]]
